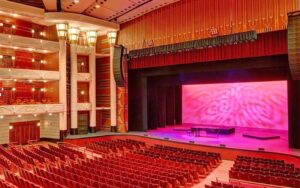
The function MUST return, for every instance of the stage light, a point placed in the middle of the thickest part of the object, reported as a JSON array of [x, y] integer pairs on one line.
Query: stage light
[[112, 37], [91, 37], [62, 31], [73, 34]]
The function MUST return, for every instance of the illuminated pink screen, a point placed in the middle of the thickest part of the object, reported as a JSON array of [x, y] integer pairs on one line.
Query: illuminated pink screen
[[251, 104]]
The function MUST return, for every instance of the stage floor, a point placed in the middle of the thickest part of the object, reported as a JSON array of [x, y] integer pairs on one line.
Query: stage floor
[[235, 140]]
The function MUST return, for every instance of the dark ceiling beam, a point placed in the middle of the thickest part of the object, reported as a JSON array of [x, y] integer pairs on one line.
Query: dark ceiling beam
[[58, 5]]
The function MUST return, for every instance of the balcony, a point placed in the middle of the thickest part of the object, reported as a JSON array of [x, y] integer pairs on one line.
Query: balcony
[[9, 73], [19, 110], [25, 43]]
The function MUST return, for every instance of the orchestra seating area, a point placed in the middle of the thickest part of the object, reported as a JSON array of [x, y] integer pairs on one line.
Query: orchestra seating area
[[266, 171], [132, 163]]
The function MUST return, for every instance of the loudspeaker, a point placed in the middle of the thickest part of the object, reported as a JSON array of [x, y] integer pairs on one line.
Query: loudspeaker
[[294, 44], [118, 70]]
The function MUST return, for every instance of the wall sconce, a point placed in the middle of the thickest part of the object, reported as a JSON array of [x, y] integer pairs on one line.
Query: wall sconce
[[62, 31], [73, 33], [91, 38], [10, 127], [112, 37]]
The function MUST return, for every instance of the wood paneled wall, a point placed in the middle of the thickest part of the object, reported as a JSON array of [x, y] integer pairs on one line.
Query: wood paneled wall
[[195, 19]]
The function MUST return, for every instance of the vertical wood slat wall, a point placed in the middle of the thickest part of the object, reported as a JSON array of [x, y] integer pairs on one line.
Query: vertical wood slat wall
[[194, 19], [103, 92]]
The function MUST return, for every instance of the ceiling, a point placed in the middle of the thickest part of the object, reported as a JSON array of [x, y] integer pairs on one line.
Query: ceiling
[[119, 11]]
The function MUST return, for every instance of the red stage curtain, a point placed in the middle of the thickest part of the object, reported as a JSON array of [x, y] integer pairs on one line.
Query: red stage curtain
[[272, 43], [194, 19]]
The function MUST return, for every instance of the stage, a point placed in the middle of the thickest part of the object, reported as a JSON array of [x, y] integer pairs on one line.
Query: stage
[[235, 140]]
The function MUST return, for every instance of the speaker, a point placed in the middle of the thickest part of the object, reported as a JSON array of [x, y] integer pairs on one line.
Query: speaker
[[294, 44], [118, 70]]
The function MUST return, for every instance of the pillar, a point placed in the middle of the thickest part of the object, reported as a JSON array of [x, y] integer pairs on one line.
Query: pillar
[[92, 88], [74, 96], [113, 94], [63, 87]]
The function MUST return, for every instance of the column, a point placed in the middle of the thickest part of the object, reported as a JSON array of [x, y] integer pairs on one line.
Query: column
[[92, 88], [63, 87], [113, 94], [74, 96]]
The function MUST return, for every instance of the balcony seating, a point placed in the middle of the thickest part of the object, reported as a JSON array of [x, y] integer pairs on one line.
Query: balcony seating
[[266, 171]]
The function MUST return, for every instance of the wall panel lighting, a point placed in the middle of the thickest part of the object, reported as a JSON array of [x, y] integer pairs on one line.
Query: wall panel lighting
[[62, 31], [112, 37], [73, 33], [91, 37]]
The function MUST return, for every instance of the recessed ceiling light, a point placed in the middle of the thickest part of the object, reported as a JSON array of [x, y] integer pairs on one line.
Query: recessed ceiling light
[[76, 1], [97, 6]]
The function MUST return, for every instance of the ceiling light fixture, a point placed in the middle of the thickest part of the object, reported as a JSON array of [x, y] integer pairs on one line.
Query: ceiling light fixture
[[73, 33], [91, 37], [112, 37], [76, 1], [62, 31], [97, 6]]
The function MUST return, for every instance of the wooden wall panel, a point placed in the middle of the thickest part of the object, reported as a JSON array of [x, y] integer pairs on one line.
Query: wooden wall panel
[[195, 19]]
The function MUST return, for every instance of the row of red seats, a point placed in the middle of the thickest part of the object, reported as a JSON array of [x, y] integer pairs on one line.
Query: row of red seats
[[52, 152], [59, 179], [34, 155], [265, 179], [39, 180], [22, 156], [64, 152], [5, 164], [266, 171], [11, 157], [69, 149], [19, 181], [115, 177], [106, 181], [6, 184]]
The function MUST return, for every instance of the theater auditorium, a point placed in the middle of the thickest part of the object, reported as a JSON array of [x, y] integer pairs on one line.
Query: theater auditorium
[[149, 93]]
